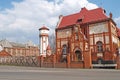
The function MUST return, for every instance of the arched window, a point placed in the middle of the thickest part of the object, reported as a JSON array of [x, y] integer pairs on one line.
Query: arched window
[[64, 50], [64, 54], [99, 46]]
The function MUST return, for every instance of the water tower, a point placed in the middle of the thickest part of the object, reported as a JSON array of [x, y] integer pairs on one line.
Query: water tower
[[43, 36]]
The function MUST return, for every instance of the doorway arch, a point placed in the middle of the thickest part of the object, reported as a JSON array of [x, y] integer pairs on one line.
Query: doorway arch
[[78, 55]]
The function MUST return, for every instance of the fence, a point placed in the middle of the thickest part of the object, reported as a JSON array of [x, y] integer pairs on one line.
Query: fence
[[19, 61], [48, 62]]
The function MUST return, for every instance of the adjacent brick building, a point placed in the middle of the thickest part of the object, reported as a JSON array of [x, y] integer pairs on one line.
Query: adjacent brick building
[[18, 49]]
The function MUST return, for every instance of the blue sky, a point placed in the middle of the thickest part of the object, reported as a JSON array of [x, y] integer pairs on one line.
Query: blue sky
[[7, 3], [109, 6], [21, 19]]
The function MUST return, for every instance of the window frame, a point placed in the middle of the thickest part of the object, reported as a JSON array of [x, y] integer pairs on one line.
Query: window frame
[[99, 46]]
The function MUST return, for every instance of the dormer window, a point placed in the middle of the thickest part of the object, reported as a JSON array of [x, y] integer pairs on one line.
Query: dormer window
[[79, 20], [104, 11]]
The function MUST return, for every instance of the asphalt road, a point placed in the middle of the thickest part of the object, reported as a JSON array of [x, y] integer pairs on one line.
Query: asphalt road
[[35, 73]]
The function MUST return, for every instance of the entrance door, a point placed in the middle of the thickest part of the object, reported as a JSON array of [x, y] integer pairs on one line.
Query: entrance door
[[78, 55]]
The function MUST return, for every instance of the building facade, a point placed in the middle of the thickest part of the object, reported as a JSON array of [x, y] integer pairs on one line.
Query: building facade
[[18, 49], [88, 31]]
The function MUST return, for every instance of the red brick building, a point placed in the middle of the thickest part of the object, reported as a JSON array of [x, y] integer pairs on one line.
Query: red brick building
[[88, 36], [18, 49]]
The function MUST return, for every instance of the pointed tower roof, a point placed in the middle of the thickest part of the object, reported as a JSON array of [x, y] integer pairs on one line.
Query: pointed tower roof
[[44, 28]]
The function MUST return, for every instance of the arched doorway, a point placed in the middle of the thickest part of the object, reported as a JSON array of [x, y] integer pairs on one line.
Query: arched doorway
[[78, 55]]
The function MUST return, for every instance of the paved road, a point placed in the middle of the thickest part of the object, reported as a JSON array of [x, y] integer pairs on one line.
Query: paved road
[[33, 73]]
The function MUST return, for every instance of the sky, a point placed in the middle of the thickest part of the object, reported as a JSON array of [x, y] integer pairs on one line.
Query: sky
[[21, 19]]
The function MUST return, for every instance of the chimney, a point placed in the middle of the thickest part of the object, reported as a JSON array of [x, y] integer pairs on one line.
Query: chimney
[[110, 15], [83, 8], [60, 16]]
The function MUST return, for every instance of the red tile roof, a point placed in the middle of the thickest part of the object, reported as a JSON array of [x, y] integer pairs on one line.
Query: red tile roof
[[44, 28], [3, 53], [85, 15]]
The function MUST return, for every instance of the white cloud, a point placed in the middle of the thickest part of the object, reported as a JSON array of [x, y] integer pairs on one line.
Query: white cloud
[[117, 20], [22, 22]]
